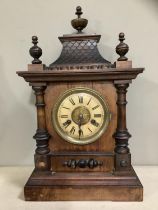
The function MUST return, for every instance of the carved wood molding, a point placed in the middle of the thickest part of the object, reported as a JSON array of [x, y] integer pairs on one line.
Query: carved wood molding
[[80, 75]]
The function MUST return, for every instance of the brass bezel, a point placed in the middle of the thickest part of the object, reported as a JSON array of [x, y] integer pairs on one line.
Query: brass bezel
[[107, 116]]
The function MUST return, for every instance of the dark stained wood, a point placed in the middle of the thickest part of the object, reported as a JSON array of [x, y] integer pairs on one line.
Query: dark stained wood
[[91, 193], [40, 104], [57, 162], [106, 141], [83, 186], [97, 171], [123, 64], [41, 136], [80, 75], [78, 37], [120, 190], [35, 51], [37, 67], [122, 153], [122, 48], [79, 23]]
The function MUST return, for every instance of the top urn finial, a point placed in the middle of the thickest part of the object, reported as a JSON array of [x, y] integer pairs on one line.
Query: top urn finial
[[79, 23], [122, 48], [35, 51]]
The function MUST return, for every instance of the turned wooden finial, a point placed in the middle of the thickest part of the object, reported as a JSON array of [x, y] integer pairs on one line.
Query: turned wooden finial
[[122, 48], [79, 23], [79, 11], [35, 51]]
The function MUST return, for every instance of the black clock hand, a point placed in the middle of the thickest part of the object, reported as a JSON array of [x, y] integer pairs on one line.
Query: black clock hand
[[80, 132]]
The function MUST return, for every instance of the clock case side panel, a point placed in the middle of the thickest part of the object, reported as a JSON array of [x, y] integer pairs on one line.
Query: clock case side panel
[[101, 149]]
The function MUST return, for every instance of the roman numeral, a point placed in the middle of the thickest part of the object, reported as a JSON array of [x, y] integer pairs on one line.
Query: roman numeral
[[89, 101], [67, 123], [65, 107], [64, 116], [80, 132], [93, 122], [90, 130], [72, 101], [97, 115], [80, 99], [95, 107], [72, 131]]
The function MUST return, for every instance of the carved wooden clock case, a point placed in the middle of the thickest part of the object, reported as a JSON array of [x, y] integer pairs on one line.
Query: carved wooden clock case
[[82, 141]]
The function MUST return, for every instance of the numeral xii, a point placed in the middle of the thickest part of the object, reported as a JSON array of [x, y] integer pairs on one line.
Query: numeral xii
[[80, 99]]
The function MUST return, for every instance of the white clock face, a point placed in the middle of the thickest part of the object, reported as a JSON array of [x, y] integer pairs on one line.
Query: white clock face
[[80, 116]]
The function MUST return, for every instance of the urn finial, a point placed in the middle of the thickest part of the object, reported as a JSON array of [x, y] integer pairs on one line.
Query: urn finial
[[122, 48], [79, 23], [35, 51]]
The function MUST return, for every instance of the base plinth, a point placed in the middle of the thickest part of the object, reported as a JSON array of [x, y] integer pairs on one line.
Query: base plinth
[[47, 186]]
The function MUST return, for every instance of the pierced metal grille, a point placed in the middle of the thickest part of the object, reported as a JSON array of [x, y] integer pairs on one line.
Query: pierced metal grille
[[80, 53]]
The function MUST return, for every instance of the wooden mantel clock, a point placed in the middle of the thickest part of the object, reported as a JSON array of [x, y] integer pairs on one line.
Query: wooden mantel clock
[[82, 148]]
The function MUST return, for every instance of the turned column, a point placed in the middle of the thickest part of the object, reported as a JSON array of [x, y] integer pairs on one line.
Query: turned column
[[122, 160], [42, 136]]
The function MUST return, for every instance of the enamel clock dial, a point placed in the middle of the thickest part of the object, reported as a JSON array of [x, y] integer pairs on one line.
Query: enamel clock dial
[[80, 116]]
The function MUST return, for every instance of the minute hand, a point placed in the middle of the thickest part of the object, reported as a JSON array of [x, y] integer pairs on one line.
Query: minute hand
[[80, 132]]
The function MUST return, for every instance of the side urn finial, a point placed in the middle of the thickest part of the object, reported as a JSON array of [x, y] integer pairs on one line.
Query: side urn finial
[[35, 51], [79, 23], [122, 48]]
